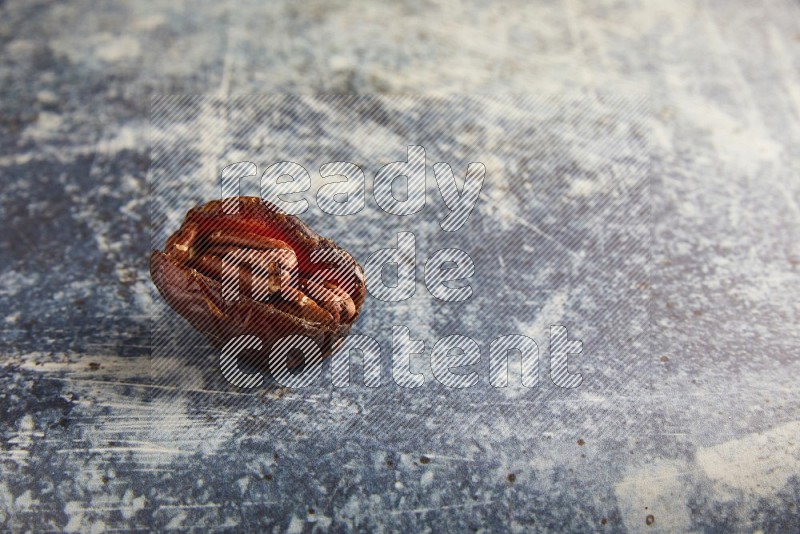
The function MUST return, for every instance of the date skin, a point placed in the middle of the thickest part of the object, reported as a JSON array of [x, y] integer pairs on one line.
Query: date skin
[[322, 303]]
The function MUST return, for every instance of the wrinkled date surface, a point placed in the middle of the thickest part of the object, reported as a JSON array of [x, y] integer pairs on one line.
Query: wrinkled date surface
[[240, 267]]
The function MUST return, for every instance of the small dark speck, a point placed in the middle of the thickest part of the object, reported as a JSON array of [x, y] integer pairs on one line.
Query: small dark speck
[[94, 366], [275, 457], [649, 520], [665, 359], [105, 479], [511, 478], [581, 443], [389, 463], [604, 521], [310, 511], [424, 460], [267, 476]]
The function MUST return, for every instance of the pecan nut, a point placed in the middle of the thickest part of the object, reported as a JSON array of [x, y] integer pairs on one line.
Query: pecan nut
[[241, 267]]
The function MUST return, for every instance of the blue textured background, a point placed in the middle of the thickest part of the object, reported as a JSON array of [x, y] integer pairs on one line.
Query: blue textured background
[[706, 436]]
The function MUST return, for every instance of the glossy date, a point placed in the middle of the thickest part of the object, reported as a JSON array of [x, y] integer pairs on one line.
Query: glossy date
[[241, 267]]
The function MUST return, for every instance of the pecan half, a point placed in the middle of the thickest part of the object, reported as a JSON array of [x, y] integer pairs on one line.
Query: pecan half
[[241, 267]]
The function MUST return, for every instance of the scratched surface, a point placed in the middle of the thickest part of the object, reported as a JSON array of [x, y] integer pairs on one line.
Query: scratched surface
[[701, 435]]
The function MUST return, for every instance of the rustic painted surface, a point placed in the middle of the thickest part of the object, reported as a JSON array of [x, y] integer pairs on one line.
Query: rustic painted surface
[[706, 436]]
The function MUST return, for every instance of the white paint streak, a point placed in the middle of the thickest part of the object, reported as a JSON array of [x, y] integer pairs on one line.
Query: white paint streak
[[658, 490], [755, 466], [742, 471]]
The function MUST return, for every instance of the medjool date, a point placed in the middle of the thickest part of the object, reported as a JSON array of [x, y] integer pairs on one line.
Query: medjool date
[[239, 266]]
